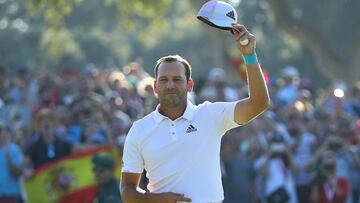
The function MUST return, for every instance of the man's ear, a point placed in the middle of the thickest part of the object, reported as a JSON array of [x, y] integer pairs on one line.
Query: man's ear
[[155, 88], [190, 85]]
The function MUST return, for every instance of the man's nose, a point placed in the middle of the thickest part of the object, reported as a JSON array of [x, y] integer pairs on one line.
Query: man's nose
[[170, 84]]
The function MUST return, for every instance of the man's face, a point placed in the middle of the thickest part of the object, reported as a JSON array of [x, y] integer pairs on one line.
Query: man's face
[[329, 166], [171, 85], [103, 176], [46, 129]]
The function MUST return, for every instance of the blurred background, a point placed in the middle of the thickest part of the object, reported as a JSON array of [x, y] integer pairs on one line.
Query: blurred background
[[320, 38], [75, 74]]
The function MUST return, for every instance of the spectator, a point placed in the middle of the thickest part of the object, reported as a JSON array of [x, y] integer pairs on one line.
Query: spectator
[[46, 146], [346, 160], [216, 88], [355, 102], [355, 176], [94, 106], [277, 168], [327, 187], [104, 166], [303, 147], [336, 101], [145, 90], [11, 159], [288, 92], [239, 179], [4, 85]]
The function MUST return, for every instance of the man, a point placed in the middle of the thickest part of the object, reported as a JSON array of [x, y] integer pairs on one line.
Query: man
[[288, 92], [47, 147], [328, 187], [104, 166], [10, 168], [179, 144]]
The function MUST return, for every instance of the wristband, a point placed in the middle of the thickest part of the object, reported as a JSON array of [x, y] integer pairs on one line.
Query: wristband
[[250, 59]]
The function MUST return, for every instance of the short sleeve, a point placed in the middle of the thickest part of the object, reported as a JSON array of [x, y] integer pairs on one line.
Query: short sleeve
[[133, 161], [16, 155], [223, 114]]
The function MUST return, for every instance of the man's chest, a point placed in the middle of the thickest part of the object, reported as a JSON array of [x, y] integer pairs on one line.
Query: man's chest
[[177, 141]]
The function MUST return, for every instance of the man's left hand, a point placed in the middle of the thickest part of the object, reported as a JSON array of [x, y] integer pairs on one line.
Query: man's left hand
[[241, 33]]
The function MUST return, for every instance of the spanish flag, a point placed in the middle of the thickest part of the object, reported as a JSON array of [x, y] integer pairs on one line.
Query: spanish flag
[[67, 180]]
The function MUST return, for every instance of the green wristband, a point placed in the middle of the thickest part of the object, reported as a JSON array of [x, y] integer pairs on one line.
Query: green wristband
[[250, 59]]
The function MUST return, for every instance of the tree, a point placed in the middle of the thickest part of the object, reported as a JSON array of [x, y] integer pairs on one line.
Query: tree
[[328, 28], [119, 28], [144, 15]]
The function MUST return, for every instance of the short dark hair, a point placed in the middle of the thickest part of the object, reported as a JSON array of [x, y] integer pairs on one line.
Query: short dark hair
[[174, 58]]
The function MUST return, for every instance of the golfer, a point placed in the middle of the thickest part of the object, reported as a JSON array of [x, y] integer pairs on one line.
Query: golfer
[[179, 143]]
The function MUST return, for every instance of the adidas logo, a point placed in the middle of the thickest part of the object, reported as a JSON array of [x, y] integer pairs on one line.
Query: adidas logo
[[190, 129], [231, 14]]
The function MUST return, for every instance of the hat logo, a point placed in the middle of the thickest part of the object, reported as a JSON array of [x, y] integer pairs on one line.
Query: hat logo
[[231, 15]]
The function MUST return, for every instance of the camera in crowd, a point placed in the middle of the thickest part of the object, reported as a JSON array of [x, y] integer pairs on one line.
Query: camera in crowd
[[277, 143], [334, 144]]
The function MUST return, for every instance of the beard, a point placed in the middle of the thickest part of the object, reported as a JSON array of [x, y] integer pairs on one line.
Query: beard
[[172, 99]]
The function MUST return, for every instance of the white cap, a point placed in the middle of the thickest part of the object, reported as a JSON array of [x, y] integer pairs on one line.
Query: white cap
[[217, 74], [218, 14], [290, 71]]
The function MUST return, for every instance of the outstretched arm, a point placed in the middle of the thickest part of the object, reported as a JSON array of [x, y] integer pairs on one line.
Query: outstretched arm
[[258, 100]]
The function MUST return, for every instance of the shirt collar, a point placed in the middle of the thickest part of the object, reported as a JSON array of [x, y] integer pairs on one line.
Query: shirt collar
[[188, 114]]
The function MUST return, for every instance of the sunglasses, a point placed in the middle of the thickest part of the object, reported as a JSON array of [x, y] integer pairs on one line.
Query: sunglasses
[[99, 170]]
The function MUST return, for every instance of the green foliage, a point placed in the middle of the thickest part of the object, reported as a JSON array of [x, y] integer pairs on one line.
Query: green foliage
[[76, 32], [53, 11], [59, 42], [56, 40], [145, 18]]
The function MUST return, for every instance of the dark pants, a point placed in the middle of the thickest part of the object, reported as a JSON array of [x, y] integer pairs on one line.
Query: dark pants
[[303, 193]]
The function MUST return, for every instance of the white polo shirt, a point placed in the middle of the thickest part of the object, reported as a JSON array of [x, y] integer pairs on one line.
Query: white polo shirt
[[181, 156]]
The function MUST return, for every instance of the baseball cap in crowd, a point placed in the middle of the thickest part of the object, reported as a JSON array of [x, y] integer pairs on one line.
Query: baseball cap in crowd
[[218, 14], [102, 162], [217, 74], [290, 71]]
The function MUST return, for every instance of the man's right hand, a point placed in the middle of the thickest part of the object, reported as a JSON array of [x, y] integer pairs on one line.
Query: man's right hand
[[131, 194], [168, 197]]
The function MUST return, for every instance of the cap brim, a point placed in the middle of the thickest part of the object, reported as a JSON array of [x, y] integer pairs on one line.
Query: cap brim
[[227, 25], [218, 24]]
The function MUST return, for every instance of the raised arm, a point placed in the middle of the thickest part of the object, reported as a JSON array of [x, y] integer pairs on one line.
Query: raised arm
[[258, 100]]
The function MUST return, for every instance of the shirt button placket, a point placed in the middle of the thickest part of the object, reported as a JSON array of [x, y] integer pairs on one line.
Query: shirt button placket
[[173, 132]]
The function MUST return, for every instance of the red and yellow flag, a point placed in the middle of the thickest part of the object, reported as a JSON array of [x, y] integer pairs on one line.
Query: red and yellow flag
[[69, 179]]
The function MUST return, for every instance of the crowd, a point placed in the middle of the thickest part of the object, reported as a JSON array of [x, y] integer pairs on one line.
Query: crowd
[[304, 149]]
